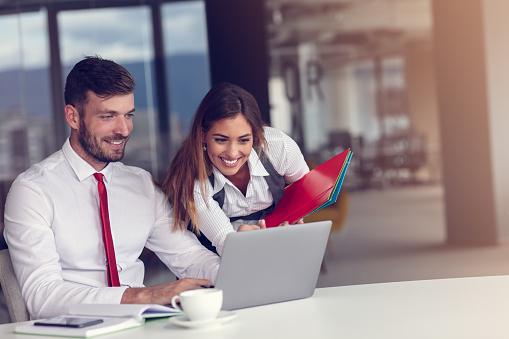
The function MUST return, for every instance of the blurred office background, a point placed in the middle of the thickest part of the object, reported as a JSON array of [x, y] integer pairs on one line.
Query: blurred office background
[[416, 88]]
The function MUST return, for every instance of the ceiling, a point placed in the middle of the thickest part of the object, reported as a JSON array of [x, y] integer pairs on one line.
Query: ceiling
[[348, 29], [341, 30]]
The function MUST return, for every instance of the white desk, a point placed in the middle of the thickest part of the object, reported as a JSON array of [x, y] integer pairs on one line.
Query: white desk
[[448, 308]]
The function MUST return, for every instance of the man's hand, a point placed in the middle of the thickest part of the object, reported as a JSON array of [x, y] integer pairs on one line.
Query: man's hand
[[162, 294]]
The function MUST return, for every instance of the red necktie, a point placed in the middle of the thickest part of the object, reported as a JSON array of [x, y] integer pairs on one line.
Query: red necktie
[[111, 262]]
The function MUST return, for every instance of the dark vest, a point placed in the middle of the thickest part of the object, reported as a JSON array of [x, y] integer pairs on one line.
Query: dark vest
[[276, 183]]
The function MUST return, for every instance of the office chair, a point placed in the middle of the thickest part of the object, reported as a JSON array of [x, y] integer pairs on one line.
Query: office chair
[[12, 291]]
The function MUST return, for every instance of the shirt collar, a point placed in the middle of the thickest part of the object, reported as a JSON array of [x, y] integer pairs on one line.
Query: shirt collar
[[256, 168], [81, 168], [255, 164]]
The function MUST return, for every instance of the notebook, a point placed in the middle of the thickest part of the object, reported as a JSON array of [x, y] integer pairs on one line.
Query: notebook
[[272, 265]]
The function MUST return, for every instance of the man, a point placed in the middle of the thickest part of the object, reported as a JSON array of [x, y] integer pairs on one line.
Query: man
[[53, 222]]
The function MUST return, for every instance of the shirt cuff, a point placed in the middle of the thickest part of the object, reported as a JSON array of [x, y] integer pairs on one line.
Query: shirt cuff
[[111, 295]]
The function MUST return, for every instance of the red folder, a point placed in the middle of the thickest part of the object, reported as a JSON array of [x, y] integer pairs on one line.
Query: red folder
[[315, 190]]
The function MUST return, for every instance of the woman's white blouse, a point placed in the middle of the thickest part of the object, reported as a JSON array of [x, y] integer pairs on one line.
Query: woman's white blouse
[[286, 158]]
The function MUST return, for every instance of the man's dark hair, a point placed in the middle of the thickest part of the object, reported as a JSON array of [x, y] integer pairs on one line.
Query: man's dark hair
[[103, 77]]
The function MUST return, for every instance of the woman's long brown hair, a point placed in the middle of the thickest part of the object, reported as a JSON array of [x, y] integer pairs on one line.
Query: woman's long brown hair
[[191, 163]]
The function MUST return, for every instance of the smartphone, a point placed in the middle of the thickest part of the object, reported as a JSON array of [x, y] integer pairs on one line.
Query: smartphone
[[74, 322]]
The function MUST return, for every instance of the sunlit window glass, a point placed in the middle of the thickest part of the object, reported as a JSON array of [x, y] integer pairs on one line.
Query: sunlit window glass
[[365, 100], [394, 96], [25, 108], [186, 50]]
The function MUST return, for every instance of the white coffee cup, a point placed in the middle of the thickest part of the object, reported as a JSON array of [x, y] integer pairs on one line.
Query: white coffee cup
[[201, 304]]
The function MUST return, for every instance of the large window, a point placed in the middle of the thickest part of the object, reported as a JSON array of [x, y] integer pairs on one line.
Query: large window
[[26, 130], [123, 35], [186, 50]]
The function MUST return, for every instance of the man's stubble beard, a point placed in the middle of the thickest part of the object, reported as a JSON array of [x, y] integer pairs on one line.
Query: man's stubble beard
[[94, 150]]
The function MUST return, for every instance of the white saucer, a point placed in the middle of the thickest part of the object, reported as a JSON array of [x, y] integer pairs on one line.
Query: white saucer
[[222, 317]]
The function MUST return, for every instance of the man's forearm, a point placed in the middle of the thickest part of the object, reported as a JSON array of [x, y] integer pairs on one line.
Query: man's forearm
[[134, 296]]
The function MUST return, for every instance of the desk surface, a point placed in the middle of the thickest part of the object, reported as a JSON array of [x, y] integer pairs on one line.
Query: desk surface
[[445, 308]]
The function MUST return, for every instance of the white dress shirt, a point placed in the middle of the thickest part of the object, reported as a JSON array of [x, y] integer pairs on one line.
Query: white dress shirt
[[286, 158], [54, 233]]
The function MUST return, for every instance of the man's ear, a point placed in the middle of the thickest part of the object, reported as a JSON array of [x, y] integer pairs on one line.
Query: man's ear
[[72, 116]]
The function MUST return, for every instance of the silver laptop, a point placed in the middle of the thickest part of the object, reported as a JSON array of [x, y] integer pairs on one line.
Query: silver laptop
[[272, 265]]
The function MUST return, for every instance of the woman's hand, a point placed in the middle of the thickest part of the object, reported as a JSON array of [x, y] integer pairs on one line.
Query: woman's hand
[[261, 223], [286, 223], [245, 227]]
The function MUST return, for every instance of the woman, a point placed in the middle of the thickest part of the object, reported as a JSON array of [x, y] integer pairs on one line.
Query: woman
[[231, 169]]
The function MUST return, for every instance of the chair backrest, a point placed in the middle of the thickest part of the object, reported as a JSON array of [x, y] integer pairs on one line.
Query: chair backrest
[[12, 291]]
